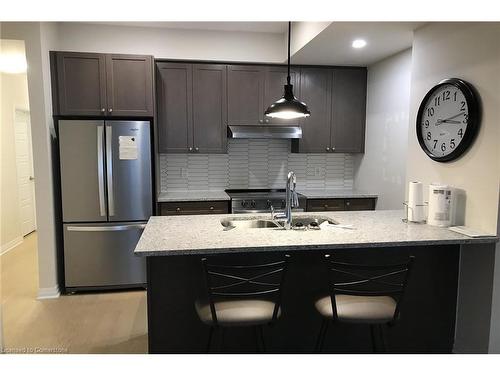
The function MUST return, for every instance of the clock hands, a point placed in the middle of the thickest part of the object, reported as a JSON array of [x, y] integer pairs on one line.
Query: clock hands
[[450, 120]]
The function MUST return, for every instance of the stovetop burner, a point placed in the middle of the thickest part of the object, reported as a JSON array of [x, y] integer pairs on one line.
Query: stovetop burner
[[259, 200]]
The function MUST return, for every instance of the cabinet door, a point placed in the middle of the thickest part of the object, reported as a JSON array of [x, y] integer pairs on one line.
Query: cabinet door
[[317, 205], [129, 85], [315, 91], [360, 204], [209, 108], [245, 91], [194, 208], [174, 88], [81, 84], [275, 80], [348, 110]]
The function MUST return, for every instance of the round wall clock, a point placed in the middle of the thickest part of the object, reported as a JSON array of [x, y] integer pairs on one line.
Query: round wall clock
[[448, 120]]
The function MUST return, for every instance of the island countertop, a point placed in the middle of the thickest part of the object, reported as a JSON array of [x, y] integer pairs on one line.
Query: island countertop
[[204, 234]]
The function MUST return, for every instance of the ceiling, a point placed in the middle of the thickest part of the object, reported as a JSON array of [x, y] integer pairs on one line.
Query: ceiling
[[263, 27], [326, 46], [333, 45]]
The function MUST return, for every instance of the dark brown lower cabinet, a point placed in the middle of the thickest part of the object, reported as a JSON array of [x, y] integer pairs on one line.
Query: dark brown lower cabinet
[[194, 208], [341, 204]]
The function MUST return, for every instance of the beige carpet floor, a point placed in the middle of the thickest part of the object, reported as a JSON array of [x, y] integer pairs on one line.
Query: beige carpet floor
[[112, 322]]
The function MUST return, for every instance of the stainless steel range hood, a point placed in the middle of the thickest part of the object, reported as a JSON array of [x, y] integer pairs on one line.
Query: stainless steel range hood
[[264, 132]]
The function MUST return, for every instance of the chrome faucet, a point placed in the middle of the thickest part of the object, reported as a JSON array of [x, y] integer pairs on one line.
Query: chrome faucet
[[292, 201]]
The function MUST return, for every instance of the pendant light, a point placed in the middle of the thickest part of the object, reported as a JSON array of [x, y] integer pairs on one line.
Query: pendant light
[[288, 107]]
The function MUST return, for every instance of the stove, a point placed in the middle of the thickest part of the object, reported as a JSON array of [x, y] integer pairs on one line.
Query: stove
[[260, 200]]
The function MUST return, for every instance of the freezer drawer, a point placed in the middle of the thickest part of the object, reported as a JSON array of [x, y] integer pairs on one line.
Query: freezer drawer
[[102, 255]]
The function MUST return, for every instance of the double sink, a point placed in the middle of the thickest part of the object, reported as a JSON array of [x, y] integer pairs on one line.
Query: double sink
[[298, 223]]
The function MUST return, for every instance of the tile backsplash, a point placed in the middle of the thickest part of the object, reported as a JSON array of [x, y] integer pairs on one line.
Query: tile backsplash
[[253, 164]]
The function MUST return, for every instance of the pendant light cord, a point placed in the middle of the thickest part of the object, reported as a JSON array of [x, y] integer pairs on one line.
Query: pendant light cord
[[289, 34]]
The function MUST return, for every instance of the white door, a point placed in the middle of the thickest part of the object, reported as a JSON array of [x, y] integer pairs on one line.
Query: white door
[[25, 179]]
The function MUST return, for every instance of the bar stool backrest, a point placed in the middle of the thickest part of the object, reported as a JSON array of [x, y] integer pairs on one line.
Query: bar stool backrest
[[368, 280], [255, 281]]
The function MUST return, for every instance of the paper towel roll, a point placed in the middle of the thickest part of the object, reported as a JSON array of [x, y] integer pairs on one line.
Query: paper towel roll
[[416, 207]]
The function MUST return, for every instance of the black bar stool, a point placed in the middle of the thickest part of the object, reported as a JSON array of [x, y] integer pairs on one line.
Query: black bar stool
[[242, 296], [363, 294]]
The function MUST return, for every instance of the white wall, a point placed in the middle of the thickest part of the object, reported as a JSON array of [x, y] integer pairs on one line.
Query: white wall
[[39, 38], [14, 96], [470, 51], [173, 43], [494, 342], [382, 168], [303, 32]]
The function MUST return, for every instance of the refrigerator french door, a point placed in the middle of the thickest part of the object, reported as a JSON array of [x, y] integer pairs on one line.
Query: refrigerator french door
[[106, 189]]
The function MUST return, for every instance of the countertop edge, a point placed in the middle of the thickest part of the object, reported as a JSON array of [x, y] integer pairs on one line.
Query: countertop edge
[[365, 245]]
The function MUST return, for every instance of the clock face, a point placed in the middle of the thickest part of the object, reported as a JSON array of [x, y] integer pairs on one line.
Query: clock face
[[447, 120]]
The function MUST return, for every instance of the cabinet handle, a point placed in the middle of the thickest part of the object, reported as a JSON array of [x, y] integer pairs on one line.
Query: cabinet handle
[[178, 209], [333, 149], [103, 110], [347, 203], [211, 208], [110, 110], [190, 149], [267, 121], [197, 149], [328, 149], [261, 121], [326, 206]]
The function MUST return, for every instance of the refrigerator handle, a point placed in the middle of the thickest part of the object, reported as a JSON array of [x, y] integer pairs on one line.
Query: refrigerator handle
[[114, 228], [100, 169], [109, 170]]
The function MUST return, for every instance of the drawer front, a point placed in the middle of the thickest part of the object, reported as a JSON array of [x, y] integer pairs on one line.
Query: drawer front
[[360, 204], [325, 205], [194, 208]]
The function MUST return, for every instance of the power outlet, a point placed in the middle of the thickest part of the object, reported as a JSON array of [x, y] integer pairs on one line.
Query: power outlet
[[184, 173]]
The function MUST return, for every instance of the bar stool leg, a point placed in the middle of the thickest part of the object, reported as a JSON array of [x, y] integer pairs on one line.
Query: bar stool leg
[[210, 334], [383, 338], [260, 330], [221, 344], [321, 335], [374, 338]]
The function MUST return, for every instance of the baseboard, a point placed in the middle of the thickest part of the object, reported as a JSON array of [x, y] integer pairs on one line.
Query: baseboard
[[48, 293], [11, 244]]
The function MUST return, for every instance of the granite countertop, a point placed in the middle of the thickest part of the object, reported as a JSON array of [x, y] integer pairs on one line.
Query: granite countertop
[[204, 234], [193, 195], [335, 193]]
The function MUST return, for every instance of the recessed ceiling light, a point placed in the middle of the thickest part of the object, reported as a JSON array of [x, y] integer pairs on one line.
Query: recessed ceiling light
[[359, 43]]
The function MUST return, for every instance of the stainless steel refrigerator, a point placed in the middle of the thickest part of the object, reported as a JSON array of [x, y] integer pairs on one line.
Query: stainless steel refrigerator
[[106, 190]]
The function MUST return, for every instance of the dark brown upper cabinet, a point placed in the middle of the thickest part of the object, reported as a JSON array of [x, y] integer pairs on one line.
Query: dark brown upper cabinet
[[245, 94], [174, 84], [348, 110], [191, 107], [336, 98], [81, 84], [93, 84], [129, 85], [315, 91], [209, 108]]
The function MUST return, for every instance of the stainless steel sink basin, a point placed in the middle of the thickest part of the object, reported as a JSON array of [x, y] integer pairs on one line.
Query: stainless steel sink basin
[[248, 223], [298, 223]]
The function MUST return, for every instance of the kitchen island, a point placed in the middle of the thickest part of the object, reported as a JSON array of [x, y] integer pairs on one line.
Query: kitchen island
[[174, 246]]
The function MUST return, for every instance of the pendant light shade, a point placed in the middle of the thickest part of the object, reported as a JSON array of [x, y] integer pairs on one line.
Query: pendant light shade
[[288, 107]]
